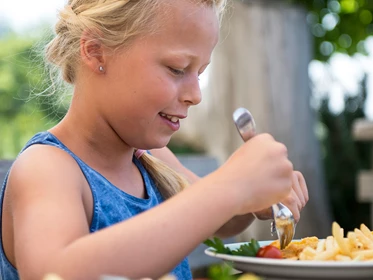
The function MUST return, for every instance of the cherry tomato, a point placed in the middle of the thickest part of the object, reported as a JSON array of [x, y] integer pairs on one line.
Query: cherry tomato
[[269, 251]]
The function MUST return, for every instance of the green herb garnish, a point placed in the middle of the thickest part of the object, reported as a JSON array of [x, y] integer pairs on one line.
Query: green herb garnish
[[249, 249]]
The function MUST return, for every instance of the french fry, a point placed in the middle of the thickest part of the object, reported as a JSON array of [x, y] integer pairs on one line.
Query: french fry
[[352, 240], [364, 229], [320, 246], [309, 252], [327, 255], [338, 235], [329, 243], [358, 258], [364, 254], [356, 246], [368, 244], [342, 258], [304, 257]]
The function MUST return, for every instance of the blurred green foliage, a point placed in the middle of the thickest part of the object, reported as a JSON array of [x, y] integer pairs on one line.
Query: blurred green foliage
[[18, 118], [225, 271], [343, 158], [21, 76], [338, 25], [342, 26]]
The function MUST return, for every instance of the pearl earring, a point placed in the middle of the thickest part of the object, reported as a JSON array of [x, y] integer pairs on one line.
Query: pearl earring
[[101, 69]]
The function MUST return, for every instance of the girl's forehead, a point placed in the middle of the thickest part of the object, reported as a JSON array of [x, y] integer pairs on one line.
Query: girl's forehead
[[185, 30], [183, 8], [180, 14]]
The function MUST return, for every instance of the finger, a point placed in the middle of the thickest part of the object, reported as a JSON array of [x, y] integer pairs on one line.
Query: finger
[[298, 190], [303, 185], [295, 205], [264, 214]]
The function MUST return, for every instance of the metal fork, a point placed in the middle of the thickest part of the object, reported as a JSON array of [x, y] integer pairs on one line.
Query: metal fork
[[284, 223]]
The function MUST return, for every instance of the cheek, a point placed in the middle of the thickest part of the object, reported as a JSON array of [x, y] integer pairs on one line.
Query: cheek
[[162, 88]]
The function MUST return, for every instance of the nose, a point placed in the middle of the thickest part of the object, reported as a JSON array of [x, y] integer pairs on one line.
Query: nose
[[191, 93]]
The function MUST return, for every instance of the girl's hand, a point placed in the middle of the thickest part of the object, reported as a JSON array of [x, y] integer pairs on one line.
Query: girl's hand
[[258, 174], [295, 201]]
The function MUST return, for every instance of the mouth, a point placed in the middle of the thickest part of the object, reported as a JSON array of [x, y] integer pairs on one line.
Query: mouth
[[173, 119]]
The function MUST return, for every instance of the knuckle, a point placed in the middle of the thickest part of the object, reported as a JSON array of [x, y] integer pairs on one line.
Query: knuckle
[[296, 215], [289, 184], [267, 135], [279, 149], [289, 168], [282, 148], [291, 201]]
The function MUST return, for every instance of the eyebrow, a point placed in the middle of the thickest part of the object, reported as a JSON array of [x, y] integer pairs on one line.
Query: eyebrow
[[189, 55]]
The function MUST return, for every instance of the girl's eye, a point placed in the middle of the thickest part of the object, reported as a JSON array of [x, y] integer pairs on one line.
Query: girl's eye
[[177, 72]]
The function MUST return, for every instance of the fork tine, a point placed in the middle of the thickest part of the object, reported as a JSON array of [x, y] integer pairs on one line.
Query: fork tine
[[273, 228], [286, 237], [283, 241]]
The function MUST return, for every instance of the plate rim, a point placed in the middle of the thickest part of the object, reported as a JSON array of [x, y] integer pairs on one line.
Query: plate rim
[[285, 262]]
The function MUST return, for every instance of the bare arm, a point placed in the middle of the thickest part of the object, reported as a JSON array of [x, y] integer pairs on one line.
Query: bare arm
[[52, 233], [233, 227], [296, 200], [50, 226]]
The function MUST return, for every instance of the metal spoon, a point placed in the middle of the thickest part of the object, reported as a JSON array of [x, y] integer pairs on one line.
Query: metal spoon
[[284, 223]]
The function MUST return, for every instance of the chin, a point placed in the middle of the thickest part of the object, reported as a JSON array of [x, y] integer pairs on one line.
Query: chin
[[161, 143]]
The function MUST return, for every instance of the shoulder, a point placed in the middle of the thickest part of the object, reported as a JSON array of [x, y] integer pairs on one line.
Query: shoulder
[[44, 198], [44, 165]]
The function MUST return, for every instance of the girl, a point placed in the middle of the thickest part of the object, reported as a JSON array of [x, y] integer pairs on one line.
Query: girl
[[83, 199]]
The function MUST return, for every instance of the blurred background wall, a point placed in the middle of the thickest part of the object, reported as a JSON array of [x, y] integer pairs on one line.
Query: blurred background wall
[[302, 67]]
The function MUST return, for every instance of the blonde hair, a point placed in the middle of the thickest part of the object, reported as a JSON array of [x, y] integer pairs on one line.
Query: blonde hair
[[114, 23]]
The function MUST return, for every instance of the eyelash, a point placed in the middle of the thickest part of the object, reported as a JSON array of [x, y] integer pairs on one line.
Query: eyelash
[[177, 72]]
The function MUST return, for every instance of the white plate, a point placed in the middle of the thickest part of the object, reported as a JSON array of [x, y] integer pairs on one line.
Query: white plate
[[291, 269]]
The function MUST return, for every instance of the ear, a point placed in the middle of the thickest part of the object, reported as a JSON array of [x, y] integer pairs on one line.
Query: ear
[[92, 52]]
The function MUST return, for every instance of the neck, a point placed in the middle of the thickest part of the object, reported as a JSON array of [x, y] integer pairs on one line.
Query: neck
[[91, 138]]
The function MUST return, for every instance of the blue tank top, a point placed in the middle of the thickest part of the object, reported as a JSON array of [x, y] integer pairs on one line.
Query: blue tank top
[[110, 204]]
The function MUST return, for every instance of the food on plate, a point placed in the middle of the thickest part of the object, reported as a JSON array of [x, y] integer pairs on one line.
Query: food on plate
[[248, 249], [295, 248], [269, 251], [355, 245]]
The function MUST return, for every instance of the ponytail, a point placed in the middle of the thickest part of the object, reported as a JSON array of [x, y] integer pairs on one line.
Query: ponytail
[[168, 181]]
